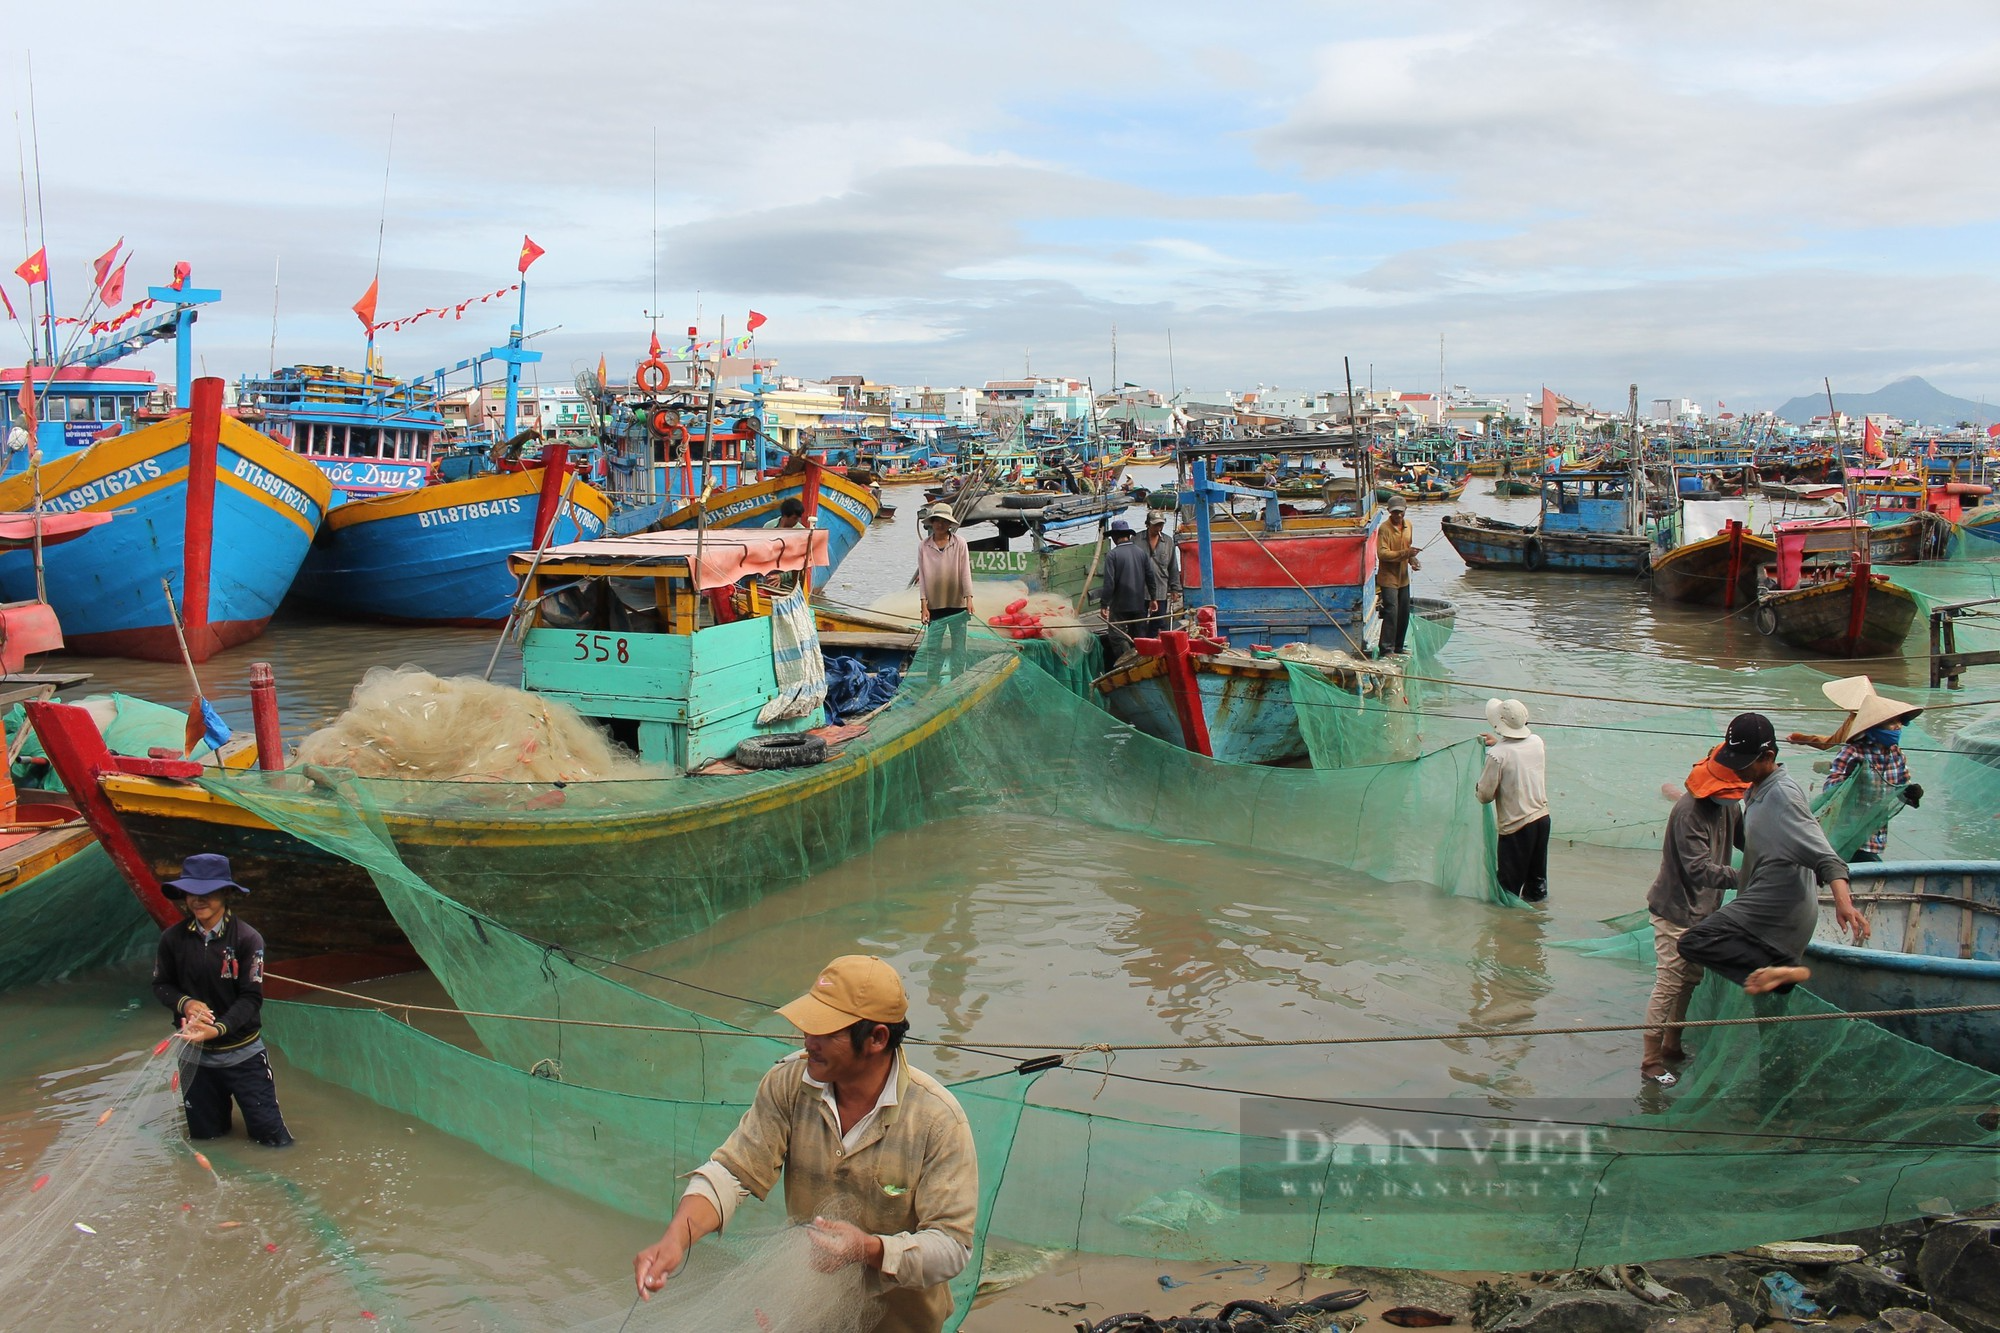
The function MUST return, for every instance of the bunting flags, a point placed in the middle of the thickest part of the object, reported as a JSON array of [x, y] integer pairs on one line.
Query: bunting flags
[[530, 252], [100, 268], [364, 309], [455, 311], [755, 322], [35, 268]]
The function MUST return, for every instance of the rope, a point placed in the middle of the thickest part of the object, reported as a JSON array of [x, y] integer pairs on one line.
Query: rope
[[1114, 1048]]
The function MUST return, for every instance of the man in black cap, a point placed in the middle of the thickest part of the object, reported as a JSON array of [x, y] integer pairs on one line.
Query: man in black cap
[[1132, 590], [209, 971], [1758, 940]]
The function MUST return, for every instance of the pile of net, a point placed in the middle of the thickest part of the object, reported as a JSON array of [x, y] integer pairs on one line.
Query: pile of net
[[408, 723]]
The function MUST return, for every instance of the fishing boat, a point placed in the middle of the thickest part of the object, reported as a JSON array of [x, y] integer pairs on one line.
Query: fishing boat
[[626, 629], [1982, 524], [1421, 482], [370, 434], [1908, 520], [1525, 463], [1514, 488], [840, 508], [1587, 525], [437, 555], [1934, 943], [223, 514], [1820, 594], [1706, 553]]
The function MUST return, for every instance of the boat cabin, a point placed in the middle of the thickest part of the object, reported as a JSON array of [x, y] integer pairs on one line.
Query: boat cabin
[[370, 434], [1587, 502], [77, 407], [1812, 550], [644, 635]]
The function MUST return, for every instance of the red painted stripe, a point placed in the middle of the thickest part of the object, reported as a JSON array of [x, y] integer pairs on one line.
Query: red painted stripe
[[156, 643], [1317, 562], [204, 436], [555, 466]]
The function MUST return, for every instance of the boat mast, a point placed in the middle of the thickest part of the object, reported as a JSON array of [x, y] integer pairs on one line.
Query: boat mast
[[1634, 506]]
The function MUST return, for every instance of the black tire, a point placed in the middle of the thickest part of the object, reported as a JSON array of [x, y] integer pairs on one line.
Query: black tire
[[1532, 556], [1027, 501], [793, 749], [1766, 620]]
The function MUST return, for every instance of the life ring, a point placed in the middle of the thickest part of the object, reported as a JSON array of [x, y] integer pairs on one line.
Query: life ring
[[653, 374], [667, 428], [1532, 556], [1766, 620]]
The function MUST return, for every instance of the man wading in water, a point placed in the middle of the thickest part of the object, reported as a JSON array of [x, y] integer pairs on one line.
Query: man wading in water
[[855, 1131]]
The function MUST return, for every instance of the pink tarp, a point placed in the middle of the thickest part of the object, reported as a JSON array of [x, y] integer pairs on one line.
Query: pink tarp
[[726, 557], [18, 530]]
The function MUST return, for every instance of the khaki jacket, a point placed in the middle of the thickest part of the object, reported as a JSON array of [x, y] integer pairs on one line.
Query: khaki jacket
[[914, 1170], [1394, 547]]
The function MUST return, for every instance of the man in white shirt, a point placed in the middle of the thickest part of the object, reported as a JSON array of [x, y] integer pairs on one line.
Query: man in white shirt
[[853, 1130], [1515, 783]]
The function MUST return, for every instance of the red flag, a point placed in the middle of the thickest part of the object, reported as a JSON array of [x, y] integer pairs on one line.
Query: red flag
[[182, 272], [28, 401], [654, 353], [100, 268], [1993, 431], [364, 309], [755, 322], [1871, 441], [602, 371], [6, 301], [1549, 409], [35, 268], [530, 252], [112, 289]]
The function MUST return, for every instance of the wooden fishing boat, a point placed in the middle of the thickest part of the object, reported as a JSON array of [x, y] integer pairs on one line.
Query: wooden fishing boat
[[1525, 463], [664, 673], [844, 509], [1586, 526], [1514, 487], [1818, 594], [1934, 943], [1420, 483], [1982, 525], [1226, 704], [1714, 571]]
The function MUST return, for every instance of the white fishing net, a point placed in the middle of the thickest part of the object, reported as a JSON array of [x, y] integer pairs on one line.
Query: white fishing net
[[768, 1286], [408, 723]]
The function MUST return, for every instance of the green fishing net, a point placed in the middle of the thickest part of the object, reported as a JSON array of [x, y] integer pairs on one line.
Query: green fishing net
[[644, 915], [76, 915]]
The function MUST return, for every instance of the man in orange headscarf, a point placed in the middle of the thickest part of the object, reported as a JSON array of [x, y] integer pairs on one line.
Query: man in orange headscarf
[[1705, 827]]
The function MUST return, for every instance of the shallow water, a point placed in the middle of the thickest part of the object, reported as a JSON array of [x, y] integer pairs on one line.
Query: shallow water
[[1007, 929]]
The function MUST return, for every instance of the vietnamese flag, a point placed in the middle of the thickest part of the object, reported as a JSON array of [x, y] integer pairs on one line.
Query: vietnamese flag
[[8, 302], [755, 322], [182, 272], [364, 309], [1549, 409], [35, 268], [530, 252], [1871, 441], [112, 289], [100, 268], [28, 401]]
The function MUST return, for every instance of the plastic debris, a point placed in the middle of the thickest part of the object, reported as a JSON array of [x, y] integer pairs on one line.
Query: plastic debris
[[85, 1228], [1168, 1282], [1788, 1297]]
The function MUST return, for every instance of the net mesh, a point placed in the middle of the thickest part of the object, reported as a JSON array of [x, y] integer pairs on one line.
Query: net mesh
[[537, 902], [76, 915]]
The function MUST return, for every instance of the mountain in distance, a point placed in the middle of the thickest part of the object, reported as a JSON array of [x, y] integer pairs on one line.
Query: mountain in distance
[[1912, 398]]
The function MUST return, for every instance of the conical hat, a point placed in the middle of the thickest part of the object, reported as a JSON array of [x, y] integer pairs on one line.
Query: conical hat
[[1857, 695]]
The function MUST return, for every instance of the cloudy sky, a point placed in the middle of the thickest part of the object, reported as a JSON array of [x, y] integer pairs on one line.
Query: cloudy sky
[[1722, 201]]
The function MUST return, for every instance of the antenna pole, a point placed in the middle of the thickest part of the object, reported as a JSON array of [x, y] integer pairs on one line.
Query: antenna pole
[[277, 265], [41, 222], [381, 235]]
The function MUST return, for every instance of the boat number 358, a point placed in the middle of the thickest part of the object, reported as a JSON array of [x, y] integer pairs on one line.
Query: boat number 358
[[602, 648]]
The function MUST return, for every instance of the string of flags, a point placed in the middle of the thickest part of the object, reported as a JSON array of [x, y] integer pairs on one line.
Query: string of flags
[[365, 309]]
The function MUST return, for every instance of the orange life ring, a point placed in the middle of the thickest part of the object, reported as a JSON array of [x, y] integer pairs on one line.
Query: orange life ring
[[667, 428], [654, 374]]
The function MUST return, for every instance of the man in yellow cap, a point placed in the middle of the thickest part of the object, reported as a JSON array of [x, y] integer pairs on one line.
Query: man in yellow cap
[[855, 1132]]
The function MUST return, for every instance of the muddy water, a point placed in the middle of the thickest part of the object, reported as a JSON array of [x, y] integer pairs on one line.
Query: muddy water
[[1007, 929]]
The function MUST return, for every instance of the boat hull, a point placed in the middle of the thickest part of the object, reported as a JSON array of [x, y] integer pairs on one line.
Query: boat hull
[[1699, 572], [1982, 525], [845, 511], [1821, 617], [1247, 706], [1306, 585], [1935, 943], [438, 556], [229, 549], [1487, 543], [493, 840]]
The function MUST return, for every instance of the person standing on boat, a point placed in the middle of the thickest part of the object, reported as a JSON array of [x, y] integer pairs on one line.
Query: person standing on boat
[[853, 1131], [791, 514], [1395, 557], [209, 972], [944, 586], [1132, 589], [1870, 743], [1758, 939], [1166, 557], [1515, 783], [1703, 830]]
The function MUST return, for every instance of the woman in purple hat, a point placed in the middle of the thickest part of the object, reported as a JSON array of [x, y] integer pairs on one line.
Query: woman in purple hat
[[209, 971]]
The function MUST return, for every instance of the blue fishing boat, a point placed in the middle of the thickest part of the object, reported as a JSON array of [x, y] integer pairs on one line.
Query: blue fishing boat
[[222, 513], [843, 509], [1934, 942], [1982, 525], [1589, 524], [370, 434]]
